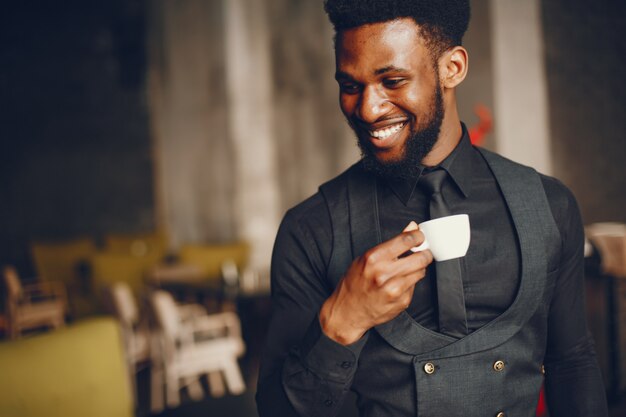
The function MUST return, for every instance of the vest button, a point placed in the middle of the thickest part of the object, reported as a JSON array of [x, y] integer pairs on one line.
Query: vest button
[[429, 368], [498, 366], [501, 414]]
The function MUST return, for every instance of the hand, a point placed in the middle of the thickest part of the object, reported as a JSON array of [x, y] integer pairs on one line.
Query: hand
[[376, 288]]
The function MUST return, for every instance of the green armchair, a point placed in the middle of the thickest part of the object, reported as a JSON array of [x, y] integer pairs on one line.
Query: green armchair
[[76, 371]]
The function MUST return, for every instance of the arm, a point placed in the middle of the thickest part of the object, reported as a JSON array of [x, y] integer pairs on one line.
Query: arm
[[307, 369], [574, 385]]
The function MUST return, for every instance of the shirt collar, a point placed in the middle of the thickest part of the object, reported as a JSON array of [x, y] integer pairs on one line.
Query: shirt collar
[[458, 165]]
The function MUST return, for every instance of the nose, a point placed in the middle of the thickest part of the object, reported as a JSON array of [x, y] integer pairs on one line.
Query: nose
[[372, 105]]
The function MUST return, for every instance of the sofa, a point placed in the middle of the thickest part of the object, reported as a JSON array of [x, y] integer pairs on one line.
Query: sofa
[[76, 371]]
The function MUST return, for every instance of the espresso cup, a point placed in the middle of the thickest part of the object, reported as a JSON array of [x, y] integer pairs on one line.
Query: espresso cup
[[446, 237]]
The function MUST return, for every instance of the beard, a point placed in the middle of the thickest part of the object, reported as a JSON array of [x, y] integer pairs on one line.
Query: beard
[[420, 142]]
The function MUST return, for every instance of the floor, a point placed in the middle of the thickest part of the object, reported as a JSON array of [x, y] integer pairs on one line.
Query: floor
[[230, 406], [244, 405], [255, 316]]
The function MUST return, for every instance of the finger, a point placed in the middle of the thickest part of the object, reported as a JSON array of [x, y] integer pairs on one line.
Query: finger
[[406, 265], [398, 285], [398, 245], [411, 226]]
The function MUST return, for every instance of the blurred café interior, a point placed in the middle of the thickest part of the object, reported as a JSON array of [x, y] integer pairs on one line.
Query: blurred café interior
[[149, 149]]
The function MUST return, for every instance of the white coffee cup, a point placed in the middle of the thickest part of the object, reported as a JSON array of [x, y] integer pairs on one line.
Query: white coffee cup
[[446, 237]]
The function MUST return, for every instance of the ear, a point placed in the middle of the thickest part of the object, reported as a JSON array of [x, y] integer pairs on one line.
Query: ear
[[453, 66]]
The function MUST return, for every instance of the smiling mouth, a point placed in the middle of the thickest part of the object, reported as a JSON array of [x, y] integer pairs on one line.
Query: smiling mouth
[[386, 132]]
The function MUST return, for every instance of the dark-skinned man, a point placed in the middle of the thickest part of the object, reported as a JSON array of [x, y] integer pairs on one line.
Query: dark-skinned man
[[355, 309]]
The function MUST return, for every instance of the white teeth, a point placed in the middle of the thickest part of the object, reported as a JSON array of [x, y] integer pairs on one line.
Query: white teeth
[[386, 132]]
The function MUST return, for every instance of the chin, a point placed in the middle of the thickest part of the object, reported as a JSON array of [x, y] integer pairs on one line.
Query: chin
[[388, 160]]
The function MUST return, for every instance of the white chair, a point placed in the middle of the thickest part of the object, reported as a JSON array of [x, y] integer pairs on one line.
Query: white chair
[[32, 306], [192, 345], [230, 273], [135, 330]]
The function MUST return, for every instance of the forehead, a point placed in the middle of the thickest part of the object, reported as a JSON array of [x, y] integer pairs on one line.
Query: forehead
[[396, 42]]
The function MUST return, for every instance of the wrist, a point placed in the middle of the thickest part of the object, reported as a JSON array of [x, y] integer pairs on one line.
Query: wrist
[[337, 327]]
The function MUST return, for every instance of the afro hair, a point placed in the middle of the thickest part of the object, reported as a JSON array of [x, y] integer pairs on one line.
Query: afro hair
[[443, 22]]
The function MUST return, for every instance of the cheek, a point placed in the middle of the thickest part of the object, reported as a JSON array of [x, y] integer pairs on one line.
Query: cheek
[[347, 103], [416, 103], [411, 99]]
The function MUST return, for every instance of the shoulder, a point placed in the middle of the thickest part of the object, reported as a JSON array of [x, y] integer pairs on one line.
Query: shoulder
[[303, 241], [301, 249], [309, 213], [566, 214], [563, 206], [335, 188], [326, 196], [561, 199], [309, 224], [305, 238], [316, 210]]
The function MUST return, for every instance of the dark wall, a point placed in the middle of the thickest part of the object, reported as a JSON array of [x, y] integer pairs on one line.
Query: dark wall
[[585, 44], [75, 155]]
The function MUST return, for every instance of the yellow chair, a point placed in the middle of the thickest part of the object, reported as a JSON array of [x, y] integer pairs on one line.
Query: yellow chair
[[63, 262], [108, 268], [210, 258], [59, 261], [154, 245]]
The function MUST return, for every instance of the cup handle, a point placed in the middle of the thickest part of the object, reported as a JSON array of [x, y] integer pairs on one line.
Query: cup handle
[[421, 247]]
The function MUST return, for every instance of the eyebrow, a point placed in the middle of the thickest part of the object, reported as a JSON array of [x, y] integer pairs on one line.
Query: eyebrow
[[389, 68], [339, 75]]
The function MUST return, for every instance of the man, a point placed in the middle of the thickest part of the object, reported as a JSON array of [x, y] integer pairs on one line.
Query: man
[[355, 309]]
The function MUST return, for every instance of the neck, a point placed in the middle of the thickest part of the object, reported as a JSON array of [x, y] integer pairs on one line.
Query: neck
[[449, 137]]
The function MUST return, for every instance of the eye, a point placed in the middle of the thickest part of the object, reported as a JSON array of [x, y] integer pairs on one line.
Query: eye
[[349, 87], [393, 82]]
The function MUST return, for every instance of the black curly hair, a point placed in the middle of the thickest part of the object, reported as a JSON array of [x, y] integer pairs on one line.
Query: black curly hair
[[443, 22]]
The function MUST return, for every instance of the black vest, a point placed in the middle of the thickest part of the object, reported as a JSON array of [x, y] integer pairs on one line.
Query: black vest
[[497, 368]]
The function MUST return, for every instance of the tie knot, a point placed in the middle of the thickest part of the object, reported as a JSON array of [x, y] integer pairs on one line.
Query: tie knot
[[432, 181]]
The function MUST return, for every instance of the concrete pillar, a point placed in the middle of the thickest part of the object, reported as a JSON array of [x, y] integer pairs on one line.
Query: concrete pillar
[[249, 92], [193, 154], [520, 90]]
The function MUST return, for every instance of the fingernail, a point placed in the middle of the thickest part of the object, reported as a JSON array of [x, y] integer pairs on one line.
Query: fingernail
[[411, 227]]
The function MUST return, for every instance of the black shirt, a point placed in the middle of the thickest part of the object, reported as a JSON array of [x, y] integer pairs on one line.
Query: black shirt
[[490, 270], [491, 273]]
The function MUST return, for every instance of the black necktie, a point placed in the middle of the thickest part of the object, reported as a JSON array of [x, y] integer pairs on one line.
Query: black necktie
[[450, 298]]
